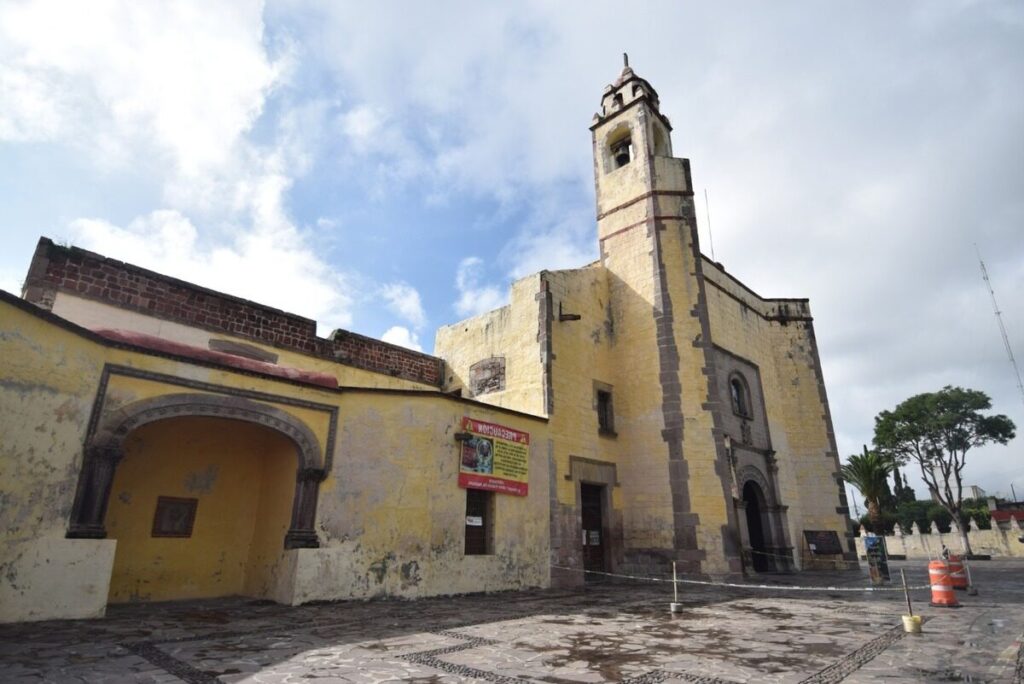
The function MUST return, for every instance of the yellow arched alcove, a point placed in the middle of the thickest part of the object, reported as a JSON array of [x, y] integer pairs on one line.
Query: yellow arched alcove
[[242, 479]]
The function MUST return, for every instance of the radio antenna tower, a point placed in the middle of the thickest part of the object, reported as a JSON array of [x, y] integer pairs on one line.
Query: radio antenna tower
[[999, 318], [707, 212]]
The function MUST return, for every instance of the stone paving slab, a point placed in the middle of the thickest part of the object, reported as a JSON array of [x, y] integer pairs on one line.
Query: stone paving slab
[[602, 633]]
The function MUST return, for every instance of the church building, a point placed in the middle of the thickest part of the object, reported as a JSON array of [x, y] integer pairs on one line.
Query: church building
[[688, 414], [163, 441]]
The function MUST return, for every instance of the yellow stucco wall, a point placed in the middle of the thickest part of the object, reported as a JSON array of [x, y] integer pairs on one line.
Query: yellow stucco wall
[[243, 477], [390, 514], [785, 355], [583, 354], [394, 521], [47, 384], [510, 331]]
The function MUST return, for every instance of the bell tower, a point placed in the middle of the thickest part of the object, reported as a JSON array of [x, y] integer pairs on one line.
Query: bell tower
[[675, 463], [632, 153]]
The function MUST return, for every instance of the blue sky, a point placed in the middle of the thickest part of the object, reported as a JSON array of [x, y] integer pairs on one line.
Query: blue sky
[[389, 168]]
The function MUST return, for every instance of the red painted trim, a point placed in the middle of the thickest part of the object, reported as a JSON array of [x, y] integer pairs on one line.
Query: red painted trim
[[159, 344]]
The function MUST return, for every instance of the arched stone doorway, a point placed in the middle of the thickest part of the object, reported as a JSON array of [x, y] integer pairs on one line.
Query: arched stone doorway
[[753, 498], [203, 493]]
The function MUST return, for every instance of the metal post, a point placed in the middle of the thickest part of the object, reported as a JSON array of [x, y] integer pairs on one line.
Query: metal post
[[971, 589], [675, 606], [906, 592], [911, 622]]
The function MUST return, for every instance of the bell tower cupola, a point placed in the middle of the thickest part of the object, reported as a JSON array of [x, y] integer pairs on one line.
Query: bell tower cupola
[[632, 149]]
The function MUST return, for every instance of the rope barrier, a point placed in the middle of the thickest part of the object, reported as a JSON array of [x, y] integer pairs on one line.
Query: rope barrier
[[736, 585]]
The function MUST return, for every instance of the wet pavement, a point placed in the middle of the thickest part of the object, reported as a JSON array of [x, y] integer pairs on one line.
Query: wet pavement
[[605, 632]]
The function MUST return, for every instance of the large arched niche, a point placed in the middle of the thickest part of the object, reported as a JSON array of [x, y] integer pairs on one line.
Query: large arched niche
[[104, 449]]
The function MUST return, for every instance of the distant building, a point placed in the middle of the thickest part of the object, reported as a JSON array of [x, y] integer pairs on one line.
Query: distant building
[[165, 441]]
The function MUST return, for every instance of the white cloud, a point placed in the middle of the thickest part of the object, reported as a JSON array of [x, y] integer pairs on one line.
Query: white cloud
[[176, 90], [273, 265], [362, 124], [475, 297], [182, 81], [555, 240], [403, 337], [404, 300], [32, 111]]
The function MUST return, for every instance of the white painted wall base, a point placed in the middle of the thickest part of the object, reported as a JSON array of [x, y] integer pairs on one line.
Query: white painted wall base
[[56, 579]]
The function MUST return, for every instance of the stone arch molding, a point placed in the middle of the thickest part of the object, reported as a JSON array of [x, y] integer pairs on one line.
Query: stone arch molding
[[116, 427], [752, 474], [104, 449]]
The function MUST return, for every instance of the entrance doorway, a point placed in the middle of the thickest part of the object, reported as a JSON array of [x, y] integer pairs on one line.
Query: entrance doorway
[[592, 507], [753, 497]]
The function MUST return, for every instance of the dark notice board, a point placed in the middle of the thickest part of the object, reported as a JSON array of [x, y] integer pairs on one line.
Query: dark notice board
[[823, 542]]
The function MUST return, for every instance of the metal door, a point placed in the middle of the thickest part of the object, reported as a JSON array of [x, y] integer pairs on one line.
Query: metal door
[[592, 505]]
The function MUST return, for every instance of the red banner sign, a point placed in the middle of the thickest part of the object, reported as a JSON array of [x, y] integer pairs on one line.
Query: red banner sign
[[495, 458]]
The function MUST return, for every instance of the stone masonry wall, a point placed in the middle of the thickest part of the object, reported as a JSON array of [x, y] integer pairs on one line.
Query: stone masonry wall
[[92, 276]]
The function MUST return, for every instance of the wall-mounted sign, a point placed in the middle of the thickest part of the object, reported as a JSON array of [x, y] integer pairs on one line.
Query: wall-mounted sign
[[495, 458], [823, 542], [474, 521]]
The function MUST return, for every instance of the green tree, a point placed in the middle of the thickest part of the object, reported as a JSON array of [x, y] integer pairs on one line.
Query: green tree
[[902, 492], [936, 430], [868, 472]]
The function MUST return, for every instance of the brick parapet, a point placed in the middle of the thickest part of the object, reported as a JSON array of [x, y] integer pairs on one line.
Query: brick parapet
[[88, 275], [374, 355]]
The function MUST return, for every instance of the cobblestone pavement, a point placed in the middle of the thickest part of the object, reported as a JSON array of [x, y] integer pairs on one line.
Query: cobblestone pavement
[[603, 633]]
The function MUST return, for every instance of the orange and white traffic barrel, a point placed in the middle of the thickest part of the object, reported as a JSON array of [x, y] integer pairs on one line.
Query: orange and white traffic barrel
[[942, 585], [957, 574]]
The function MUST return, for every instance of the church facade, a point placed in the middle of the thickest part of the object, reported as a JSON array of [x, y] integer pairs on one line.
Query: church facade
[[163, 441], [688, 414]]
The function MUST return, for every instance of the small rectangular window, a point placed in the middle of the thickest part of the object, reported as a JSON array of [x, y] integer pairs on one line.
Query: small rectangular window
[[605, 415], [479, 522]]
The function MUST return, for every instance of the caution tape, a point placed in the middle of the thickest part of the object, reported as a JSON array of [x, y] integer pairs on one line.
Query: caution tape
[[736, 585]]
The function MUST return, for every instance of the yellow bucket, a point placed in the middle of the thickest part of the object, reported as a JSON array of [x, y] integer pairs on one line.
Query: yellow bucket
[[912, 624]]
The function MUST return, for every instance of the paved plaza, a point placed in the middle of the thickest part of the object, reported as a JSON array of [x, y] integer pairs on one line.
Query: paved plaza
[[607, 632]]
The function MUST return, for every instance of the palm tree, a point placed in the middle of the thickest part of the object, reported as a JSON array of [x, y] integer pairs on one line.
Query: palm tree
[[868, 472]]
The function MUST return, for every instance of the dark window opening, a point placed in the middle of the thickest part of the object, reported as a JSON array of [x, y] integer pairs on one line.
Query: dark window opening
[[617, 100], [740, 397], [479, 522], [605, 413], [622, 152]]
